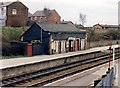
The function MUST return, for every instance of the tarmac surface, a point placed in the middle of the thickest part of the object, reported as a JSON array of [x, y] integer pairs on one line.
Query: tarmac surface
[[87, 78]]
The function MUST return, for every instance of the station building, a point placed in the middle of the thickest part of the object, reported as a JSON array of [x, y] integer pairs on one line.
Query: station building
[[54, 38]]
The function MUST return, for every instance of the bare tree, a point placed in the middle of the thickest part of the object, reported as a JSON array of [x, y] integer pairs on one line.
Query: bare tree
[[82, 18]]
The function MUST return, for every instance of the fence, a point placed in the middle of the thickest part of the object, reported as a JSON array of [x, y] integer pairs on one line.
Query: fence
[[106, 80], [100, 43]]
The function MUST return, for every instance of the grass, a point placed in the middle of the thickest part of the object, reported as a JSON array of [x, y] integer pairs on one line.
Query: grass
[[9, 34], [12, 56]]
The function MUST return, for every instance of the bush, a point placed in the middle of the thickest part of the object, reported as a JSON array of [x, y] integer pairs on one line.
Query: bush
[[13, 33], [9, 34]]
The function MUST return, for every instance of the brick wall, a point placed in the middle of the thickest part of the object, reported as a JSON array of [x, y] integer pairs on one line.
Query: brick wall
[[54, 17], [21, 18]]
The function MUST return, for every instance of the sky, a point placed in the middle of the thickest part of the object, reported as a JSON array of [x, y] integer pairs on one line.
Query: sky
[[96, 11]]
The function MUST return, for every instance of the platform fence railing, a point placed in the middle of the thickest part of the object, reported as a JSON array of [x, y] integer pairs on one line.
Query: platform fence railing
[[106, 80]]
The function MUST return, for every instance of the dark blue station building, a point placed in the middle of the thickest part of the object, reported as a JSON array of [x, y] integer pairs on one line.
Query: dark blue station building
[[54, 38]]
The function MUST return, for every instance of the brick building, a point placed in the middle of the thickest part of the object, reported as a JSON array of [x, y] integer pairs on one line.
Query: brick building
[[13, 14], [45, 16]]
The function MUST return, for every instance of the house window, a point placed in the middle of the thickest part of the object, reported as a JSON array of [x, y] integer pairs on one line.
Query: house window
[[35, 18], [14, 12], [31, 18]]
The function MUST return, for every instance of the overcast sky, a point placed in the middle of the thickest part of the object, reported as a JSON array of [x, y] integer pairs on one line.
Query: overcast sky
[[96, 11]]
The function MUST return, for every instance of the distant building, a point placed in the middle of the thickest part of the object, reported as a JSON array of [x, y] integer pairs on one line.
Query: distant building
[[45, 16], [79, 26], [54, 38], [13, 14], [66, 22], [104, 27]]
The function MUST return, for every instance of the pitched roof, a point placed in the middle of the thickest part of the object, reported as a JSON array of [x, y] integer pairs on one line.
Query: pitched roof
[[4, 4], [59, 27], [107, 26], [45, 12], [39, 13], [29, 14], [111, 26], [79, 26], [66, 22]]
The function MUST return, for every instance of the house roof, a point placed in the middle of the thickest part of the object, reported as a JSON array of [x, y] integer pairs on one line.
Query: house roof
[[66, 22], [107, 26], [39, 13], [44, 12], [29, 14], [79, 26], [110, 26], [5, 4], [59, 27]]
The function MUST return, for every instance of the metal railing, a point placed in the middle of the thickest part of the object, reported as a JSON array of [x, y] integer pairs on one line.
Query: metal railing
[[106, 80]]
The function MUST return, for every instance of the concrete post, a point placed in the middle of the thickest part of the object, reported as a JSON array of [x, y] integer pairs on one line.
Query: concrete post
[[113, 56]]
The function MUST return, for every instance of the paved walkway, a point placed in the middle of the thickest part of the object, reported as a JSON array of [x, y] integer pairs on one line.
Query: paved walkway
[[6, 63], [85, 78]]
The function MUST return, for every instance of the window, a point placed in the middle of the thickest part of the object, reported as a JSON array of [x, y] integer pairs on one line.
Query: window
[[31, 18], [14, 11], [35, 18]]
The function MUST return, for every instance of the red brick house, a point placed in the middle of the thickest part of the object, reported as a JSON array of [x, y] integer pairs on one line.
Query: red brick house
[[13, 14], [45, 16]]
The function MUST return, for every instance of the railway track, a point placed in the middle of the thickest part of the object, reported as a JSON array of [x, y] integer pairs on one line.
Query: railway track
[[43, 77]]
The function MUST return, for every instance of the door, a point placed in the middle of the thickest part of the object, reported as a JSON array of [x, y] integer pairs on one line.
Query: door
[[29, 50], [59, 46], [70, 45], [77, 44]]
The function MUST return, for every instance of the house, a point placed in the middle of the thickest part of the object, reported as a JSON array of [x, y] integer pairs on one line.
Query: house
[[104, 27], [45, 16], [13, 14], [54, 38]]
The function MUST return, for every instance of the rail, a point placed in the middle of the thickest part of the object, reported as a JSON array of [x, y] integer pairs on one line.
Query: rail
[[45, 76]]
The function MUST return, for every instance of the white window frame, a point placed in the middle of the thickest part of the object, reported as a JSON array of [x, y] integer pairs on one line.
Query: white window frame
[[14, 11], [35, 18]]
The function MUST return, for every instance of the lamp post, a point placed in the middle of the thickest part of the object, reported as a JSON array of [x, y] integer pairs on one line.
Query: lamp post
[[110, 48], [113, 56]]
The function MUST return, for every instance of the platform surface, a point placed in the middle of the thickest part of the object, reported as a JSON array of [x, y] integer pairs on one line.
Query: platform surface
[[87, 77], [13, 62]]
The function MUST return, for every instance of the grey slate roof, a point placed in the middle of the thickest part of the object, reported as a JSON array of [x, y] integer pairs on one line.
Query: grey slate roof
[[42, 13], [4, 4], [39, 13], [29, 14], [79, 26], [64, 36], [111, 26], [107, 26], [59, 27], [65, 22]]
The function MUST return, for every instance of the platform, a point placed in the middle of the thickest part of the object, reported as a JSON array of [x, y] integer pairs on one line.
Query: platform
[[7, 63], [86, 78]]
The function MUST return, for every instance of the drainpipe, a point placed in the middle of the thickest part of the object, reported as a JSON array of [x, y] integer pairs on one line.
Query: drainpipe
[[41, 35]]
